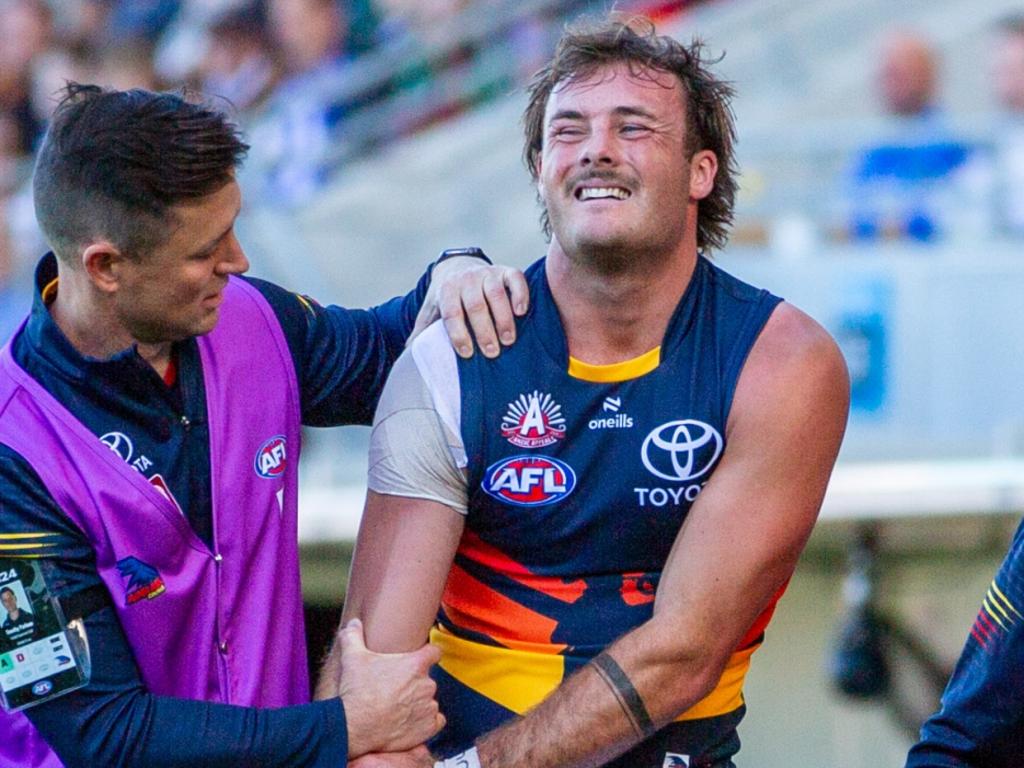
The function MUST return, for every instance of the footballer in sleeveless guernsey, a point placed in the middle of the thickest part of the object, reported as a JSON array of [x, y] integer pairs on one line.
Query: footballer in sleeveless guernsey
[[578, 479], [594, 528]]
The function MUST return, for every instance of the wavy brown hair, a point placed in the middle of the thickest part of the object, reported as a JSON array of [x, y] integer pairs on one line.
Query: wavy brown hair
[[588, 47]]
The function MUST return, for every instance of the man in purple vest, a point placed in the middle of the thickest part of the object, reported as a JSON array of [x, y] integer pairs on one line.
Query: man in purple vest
[[150, 415]]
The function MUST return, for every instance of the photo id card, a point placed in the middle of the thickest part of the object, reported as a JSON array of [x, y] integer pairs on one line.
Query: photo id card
[[40, 656]]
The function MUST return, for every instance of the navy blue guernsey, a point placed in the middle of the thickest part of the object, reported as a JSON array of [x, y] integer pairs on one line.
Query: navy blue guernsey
[[341, 360], [579, 480], [981, 722]]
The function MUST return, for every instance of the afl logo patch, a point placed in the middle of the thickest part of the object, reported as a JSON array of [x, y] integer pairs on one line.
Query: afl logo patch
[[529, 481], [42, 688], [271, 459]]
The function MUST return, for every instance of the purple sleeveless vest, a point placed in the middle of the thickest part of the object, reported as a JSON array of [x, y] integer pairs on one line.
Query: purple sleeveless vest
[[223, 625]]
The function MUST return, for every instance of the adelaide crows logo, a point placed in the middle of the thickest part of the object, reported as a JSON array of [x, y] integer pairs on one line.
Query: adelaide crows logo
[[143, 581]]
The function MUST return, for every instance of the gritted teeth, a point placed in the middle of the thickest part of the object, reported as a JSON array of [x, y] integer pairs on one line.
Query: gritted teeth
[[597, 193]]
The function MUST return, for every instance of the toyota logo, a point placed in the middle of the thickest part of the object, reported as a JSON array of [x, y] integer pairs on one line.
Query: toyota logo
[[120, 444], [681, 450]]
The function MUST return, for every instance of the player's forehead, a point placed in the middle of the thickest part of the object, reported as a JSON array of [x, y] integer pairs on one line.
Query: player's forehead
[[617, 86]]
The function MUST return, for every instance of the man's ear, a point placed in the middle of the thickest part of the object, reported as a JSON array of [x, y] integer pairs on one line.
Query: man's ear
[[703, 169], [104, 263]]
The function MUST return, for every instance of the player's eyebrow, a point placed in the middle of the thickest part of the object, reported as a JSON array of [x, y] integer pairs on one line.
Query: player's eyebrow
[[567, 114], [630, 111], [623, 111]]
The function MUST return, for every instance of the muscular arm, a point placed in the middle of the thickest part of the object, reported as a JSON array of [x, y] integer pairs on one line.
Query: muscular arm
[[404, 551], [413, 518], [739, 544]]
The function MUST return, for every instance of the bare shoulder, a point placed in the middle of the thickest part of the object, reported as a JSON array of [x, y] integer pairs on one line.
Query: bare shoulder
[[793, 363], [792, 337]]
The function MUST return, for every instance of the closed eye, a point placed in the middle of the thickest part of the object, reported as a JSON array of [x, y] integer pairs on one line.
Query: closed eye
[[567, 131]]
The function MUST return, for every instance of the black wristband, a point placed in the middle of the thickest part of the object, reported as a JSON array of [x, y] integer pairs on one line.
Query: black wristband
[[473, 252]]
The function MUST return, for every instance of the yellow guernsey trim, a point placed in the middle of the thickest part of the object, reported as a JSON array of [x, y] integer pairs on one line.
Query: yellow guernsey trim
[[50, 291], [520, 680], [995, 604], [992, 613], [1004, 599], [613, 372], [517, 680], [13, 536], [728, 694], [6, 547]]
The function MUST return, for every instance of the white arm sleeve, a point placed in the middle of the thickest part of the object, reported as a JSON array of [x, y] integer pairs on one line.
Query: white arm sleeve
[[416, 447]]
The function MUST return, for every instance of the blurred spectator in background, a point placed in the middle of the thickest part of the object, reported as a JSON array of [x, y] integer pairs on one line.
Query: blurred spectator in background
[[1008, 166], [908, 76], [11, 305], [239, 64], [25, 31], [903, 186], [296, 146]]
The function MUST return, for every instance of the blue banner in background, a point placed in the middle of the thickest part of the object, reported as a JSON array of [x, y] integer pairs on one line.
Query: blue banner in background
[[862, 330]]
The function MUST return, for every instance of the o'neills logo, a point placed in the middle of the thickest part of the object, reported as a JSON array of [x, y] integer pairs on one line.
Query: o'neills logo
[[618, 421], [533, 421]]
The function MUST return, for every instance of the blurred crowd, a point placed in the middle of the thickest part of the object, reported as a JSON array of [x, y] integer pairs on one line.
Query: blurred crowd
[[316, 83], [927, 178], [313, 83]]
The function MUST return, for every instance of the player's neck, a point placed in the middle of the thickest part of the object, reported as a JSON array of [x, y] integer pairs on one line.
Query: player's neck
[[612, 315], [93, 329]]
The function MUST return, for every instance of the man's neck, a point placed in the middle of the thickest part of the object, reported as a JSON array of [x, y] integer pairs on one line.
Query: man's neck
[[94, 331], [612, 315]]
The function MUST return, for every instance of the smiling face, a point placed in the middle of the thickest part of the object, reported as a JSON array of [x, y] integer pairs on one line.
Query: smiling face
[[616, 175], [176, 291]]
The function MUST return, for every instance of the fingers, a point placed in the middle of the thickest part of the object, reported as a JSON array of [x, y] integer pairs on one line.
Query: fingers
[[500, 306], [423, 319], [481, 303], [426, 657], [450, 306], [428, 722], [351, 637], [519, 291]]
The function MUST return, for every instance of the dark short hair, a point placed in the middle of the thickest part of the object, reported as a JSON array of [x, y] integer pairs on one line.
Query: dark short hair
[[587, 47], [114, 163], [8, 589]]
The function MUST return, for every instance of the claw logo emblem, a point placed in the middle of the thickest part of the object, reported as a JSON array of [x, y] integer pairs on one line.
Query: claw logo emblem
[[143, 581]]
